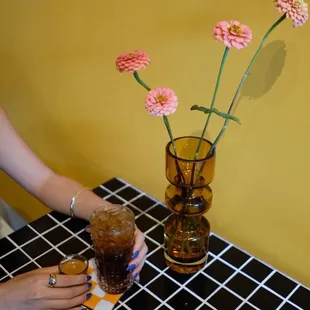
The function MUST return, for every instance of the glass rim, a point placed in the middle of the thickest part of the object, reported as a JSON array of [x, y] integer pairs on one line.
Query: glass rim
[[190, 160], [111, 233], [74, 256]]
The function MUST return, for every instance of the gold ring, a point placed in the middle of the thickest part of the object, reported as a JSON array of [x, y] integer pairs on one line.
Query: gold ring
[[52, 280]]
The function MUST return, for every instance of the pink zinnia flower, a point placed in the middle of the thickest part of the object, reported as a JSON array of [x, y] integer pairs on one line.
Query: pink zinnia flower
[[132, 61], [297, 10], [161, 101], [232, 33]]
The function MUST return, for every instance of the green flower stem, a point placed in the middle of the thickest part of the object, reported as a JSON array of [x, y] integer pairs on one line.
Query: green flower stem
[[278, 22], [213, 99], [138, 79]]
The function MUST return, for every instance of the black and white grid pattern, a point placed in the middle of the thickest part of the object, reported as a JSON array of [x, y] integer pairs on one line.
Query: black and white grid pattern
[[231, 280]]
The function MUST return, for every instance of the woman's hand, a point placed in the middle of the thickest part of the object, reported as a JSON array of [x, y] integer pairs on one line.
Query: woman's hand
[[31, 291], [139, 254]]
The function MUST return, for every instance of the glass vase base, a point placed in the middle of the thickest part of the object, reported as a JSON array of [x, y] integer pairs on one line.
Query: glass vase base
[[183, 267]]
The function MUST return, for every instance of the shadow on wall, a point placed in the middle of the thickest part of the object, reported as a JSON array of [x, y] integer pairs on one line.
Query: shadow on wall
[[265, 71]]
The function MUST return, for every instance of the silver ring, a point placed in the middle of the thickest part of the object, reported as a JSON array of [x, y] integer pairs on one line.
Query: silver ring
[[52, 280]]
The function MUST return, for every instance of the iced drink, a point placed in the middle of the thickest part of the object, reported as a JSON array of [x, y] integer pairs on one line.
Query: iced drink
[[112, 230]]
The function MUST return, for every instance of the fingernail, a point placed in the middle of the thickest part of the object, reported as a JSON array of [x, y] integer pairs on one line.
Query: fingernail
[[131, 267], [135, 255], [88, 278], [136, 275], [89, 285], [88, 295]]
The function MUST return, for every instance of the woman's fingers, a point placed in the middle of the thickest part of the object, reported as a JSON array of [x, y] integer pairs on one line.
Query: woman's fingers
[[65, 280], [68, 292], [67, 303], [139, 240], [139, 261]]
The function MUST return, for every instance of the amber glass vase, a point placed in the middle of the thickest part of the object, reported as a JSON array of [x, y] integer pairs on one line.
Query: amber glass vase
[[189, 197]]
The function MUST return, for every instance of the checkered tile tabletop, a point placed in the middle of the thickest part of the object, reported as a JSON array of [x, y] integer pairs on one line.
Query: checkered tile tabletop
[[232, 279]]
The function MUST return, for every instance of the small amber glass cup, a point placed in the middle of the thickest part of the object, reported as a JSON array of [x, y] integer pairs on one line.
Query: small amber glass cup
[[73, 264]]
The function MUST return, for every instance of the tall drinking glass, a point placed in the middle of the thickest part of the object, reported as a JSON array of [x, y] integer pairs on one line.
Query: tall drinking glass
[[112, 231]]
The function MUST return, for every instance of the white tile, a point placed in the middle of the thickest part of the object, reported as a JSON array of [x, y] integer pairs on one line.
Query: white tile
[[98, 291], [94, 276], [104, 305]]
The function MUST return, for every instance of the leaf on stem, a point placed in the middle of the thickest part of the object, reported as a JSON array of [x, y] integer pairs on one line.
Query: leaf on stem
[[217, 112]]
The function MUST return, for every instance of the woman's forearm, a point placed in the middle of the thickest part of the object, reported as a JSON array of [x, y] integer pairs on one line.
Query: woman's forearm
[[57, 192]]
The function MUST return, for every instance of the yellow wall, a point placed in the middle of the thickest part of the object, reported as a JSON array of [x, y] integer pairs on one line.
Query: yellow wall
[[60, 88]]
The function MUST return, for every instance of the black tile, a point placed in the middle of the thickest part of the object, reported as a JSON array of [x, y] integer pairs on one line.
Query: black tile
[[14, 260], [2, 273], [128, 193], [133, 209], [147, 274], [224, 300], [72, 246], [158, 259], [180, 277], [257, 270], [144, 223], [151, 245], [89, 254], [235, 257], [84, 235], [75, 225], [281, 284], [247, 307], [219, 271], [36, 247], [99, 191], [242, 285], [163, 287], [113, 184], [159, 212], [164, 308], [288, 306], [59, 216], [145, 299], [23, 235], [120, 308], [184, 300], [6, 246], [135, 288], [202, 286], [31, 266], [143, 202], [5, 279], [217, 245], [301, 298], [57, 235], [43, 223], [114, 200], [205, 307], [264, 299], [210, 258], [157, 234], [51, 258]]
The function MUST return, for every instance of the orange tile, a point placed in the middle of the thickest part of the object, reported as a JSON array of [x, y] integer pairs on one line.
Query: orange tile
[[112, 298], [92, 302], [90, 270], [93, 285]]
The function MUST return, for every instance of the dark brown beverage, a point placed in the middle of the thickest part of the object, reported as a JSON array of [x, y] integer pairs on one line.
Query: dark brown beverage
[[112, 230]]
